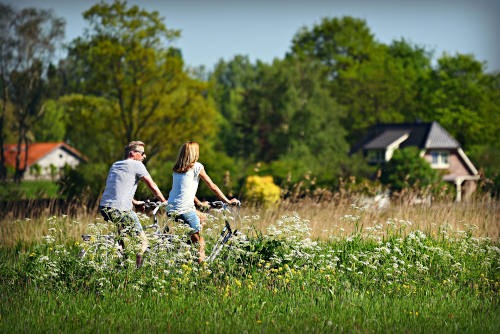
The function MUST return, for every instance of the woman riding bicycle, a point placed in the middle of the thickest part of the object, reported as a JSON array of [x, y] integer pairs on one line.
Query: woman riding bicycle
[[182, 199]]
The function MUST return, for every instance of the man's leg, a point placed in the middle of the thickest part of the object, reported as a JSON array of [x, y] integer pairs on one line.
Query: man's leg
[[139, 257], [142, 235]]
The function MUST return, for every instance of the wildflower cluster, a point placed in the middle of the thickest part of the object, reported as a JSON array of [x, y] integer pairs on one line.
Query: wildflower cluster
[[387, 257]]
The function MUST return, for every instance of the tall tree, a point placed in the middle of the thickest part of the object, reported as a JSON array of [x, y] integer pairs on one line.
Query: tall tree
[[465, 100], [289, 116], [229, 81], [338, 43], [6, 48], [387, 87], [125, 58], [29, 39], [344, 46]]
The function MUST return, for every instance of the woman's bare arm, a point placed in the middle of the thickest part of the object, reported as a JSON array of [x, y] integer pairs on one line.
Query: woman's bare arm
[[214, 188]]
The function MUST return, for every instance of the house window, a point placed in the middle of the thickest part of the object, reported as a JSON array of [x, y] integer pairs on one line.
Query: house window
[[376, 156], [440, 159]]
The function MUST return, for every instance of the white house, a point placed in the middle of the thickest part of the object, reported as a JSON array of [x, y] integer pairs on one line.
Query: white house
[[45, 160]]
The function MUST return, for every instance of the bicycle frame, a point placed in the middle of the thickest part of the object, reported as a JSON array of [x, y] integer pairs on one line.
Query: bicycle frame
[[156, 207], [226, 233]]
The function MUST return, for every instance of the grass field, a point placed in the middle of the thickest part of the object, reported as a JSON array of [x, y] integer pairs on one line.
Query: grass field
[[303, 267]]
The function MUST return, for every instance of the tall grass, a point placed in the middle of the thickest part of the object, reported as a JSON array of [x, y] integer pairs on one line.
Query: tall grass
[[327, 218]]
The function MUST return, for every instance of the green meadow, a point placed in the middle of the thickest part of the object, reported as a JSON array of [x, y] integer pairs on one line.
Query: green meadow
[[300, 268]]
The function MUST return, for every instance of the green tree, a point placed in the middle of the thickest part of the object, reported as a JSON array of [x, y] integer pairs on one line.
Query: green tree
[[124, 61], [88, 127], [338, 43], [29, 38], [52, 126], [6, 47], [465, 100], [290, 117], [375, 83], [229, 81]]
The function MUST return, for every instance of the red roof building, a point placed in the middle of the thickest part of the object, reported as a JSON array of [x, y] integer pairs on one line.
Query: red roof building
[[45, 160]]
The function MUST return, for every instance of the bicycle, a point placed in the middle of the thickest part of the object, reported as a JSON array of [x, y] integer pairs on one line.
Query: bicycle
[[227, 232], [99, 244], [166, 245], [162, 240], [103, 244]]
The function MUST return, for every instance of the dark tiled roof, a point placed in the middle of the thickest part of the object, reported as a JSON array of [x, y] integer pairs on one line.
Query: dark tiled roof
[[440, 138], [423, 135], [385, 139]]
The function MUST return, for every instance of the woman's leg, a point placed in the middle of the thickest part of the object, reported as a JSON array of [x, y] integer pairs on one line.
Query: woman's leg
[[193, 220], [202, 217], [197, 238]]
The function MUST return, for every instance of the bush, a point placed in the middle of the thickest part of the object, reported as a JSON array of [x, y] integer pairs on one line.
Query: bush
[[407, 169], [29, 190], [85, 182], [261, 190]]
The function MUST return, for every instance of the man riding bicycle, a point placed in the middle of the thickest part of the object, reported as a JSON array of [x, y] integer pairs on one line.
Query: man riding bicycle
[[118, 197]]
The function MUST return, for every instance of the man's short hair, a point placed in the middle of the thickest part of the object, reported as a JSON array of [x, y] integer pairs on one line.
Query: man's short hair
[[132, 146]]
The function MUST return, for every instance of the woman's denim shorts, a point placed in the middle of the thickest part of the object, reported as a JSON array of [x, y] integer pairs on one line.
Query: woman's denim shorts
[[191, 218]]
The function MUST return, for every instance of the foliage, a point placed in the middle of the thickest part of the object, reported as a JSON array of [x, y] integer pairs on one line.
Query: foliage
[[357, 165], [29, 38], [407, 169], [89, 127], [29, 190], [84, 183], [382, 89], [488, 157], [286, 118], [52, 126], [123, 79], [338, 43], [229, 81], [125, 61], [261, 190], [465, 100]]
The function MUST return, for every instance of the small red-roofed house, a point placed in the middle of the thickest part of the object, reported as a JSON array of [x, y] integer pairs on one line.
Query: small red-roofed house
[[45, 160]]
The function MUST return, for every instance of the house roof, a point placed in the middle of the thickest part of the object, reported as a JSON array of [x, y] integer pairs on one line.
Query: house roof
[[36, 151], [423, 135], [385, 139]]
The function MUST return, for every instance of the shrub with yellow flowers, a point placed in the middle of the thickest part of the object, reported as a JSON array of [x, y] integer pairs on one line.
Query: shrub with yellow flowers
[[261, 190]]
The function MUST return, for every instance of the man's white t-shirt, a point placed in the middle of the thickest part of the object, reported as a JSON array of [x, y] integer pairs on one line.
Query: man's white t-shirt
[[121, 184], [184, 187]]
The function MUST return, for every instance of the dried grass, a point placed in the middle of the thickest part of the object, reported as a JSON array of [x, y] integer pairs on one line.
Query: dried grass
[[326, 215]]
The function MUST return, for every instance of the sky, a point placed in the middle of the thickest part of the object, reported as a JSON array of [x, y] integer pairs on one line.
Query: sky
[[263, 30]]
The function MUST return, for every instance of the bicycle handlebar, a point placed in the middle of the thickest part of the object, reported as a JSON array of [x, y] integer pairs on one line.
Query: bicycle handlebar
[[215, 205], [222, 205]]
